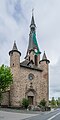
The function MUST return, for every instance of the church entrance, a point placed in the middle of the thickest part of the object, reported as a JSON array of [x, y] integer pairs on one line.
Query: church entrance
[[31, 95], [30, 98]]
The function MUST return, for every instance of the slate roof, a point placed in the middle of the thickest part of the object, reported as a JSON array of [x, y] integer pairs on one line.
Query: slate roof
[[14, 49], [44, 56], [32, 22], [30, 65], [14, 46], [32, 45]]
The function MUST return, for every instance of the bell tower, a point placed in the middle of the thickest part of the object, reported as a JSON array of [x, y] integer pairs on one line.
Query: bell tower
[[33, 52]]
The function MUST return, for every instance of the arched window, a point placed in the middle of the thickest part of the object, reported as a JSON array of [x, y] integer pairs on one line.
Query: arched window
[[36, 60]]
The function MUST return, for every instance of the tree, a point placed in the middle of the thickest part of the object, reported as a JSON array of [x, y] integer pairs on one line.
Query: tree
[[53, 102], [25, 103], [5, 79], [58, 102]]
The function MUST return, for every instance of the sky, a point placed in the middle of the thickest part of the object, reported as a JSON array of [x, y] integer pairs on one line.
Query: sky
[[15, 19]]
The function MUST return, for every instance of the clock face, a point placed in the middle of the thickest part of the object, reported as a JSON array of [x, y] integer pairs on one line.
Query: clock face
[[30, 76]]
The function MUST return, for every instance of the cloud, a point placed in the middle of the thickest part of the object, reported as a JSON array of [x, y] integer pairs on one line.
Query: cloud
[[11, 27], [15, 10]]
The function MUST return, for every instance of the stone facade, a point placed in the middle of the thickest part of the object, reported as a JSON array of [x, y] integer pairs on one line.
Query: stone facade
[[22, 85], [5, 100], [31, 77]]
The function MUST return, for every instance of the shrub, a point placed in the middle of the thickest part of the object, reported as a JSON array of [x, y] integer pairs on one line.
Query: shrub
[[25, 103], [42, 105]]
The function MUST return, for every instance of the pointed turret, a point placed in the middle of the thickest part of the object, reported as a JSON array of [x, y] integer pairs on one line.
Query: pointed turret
[[44, 58], [14, 49], [15, 46], [14, 56]]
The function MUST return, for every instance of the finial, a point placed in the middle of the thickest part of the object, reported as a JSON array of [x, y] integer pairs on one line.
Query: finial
[[32, 11], [15, 41]]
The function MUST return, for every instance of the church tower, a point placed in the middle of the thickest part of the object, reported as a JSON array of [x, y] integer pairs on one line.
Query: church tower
[[45, 76], [15, 68], [33, 52]]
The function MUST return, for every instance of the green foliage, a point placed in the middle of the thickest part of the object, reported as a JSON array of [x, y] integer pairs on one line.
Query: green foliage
[[5, 79], [53, 102], [58, 102], [25, 103], [42, 103]]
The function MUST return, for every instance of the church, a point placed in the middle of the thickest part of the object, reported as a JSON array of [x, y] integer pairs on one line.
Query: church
[[31, 76]]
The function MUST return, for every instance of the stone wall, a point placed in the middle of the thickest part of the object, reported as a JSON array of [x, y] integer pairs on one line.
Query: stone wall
[[5, 100], [45, 79], [22, 84]]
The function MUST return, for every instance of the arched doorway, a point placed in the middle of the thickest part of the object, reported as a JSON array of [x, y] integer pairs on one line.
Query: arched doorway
[[30, 98], [31, 95]]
